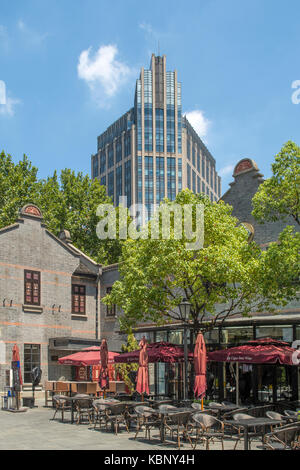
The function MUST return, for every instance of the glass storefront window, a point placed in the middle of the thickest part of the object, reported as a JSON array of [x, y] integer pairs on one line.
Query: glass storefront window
[[161, 336], [212, 337], [236, 335], [176, 337], [283, 333]]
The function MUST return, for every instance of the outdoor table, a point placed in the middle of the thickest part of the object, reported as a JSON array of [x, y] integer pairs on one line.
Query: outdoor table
[[252, 423], [168, 413]]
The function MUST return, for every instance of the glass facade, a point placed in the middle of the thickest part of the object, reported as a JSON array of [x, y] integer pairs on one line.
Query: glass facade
[[148, 126], [140, 180], [119, 150], [139, 114], [159, 123], [95, 166], [111, 186], [179, 118], [171, 178], [160, 179], [179, 172], [189, 176], [118, 183], [148, 171], [170, 112], [127, 182], [102, 161], [110, 156]]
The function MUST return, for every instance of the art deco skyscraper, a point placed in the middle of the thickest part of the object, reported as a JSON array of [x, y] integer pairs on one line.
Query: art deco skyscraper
[[152, 151]]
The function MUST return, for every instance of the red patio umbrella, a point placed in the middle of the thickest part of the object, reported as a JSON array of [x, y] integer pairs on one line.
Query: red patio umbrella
[[17, 375], [261, 351], [16, 362], [200, 367], [104, 377], [142, 381], [86, 357], [157, 352]]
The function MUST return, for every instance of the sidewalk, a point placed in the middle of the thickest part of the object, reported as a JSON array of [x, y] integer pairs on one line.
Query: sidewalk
[[35, 430]]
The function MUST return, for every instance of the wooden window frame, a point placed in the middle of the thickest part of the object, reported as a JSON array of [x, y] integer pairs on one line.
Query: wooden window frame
[[73, 293], [31, 281]]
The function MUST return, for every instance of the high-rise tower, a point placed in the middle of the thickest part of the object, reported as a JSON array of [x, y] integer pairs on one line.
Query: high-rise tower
[[152, 151]]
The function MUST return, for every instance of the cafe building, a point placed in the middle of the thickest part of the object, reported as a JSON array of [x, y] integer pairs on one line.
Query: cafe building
[[262, 383]]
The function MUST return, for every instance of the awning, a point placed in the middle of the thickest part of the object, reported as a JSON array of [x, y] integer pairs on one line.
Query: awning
[[87, 357], [261, 351], [157, 352]]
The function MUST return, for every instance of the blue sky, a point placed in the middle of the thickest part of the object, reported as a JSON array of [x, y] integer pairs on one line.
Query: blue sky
[[70, 66]]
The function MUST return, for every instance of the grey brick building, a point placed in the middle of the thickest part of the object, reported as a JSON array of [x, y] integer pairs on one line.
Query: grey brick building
[[49, 297]]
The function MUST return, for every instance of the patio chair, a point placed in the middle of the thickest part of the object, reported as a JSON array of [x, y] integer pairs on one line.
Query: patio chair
[[251, 434], [99, 413], [164, 408], [208, 428], [215, 408], [277, 416], [84, 408], [61, 404], [147, 418], [116, 414], [178, 424], [283, 438], [293, 415]]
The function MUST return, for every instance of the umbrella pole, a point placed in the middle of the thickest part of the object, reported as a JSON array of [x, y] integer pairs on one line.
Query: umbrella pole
[[202, 404], [237, 383]]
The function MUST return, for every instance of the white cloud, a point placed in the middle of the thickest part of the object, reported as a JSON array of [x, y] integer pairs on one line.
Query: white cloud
[[31, 36], [8, 109], [102, 72], [226, 170], [199, 122]]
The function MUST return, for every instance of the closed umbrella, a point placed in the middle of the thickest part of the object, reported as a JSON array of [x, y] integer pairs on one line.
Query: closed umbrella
[[17, 376], [142, 385], [200, 367], [104, 377]]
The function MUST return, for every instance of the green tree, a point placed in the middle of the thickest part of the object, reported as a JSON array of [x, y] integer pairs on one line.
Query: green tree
[[279, 196], [18, 186], [67, 202], [228, 276], [70, 202], [125, 369]]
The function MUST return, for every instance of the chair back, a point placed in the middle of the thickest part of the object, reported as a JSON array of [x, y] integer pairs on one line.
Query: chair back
[[59, 399], [290, 413], [207, 421], [286, 434], [180, 419], [214, 404], [144, 411], [196, 406], [238, 416], [163, 408], [116, 409], [274, 415]]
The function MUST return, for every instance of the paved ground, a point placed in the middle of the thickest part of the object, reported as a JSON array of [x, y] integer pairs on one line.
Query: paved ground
[[35, 430]]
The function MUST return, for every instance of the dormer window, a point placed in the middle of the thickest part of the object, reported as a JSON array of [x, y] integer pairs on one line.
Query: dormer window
[[32, 287]]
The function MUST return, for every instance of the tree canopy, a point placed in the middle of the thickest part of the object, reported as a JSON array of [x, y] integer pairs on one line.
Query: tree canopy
[[67, 202], [228, 276], [279, 196]]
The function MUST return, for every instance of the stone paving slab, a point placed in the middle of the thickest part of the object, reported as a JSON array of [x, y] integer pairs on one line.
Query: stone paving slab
[[35, 430]]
